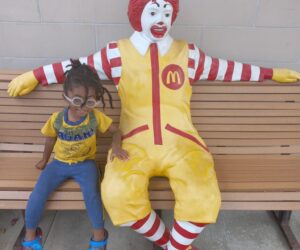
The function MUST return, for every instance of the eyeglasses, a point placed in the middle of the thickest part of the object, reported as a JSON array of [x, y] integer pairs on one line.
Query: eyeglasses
[[80, 102]]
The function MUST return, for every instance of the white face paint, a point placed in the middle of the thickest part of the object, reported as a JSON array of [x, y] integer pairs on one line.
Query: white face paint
[[156, 20]]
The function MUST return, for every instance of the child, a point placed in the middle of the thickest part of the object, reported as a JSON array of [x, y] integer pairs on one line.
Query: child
[[72, 133]]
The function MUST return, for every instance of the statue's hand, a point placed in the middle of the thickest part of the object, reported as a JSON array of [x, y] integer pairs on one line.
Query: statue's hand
[[22, 84], [285, 75]]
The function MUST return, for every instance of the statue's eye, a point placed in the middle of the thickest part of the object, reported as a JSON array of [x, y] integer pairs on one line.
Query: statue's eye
[[152, 13]]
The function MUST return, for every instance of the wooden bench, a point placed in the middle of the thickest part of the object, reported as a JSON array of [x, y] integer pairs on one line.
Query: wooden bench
[[252, 129]]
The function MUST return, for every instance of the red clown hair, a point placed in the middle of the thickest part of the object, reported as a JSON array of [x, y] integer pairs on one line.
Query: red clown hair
[[136, 7]]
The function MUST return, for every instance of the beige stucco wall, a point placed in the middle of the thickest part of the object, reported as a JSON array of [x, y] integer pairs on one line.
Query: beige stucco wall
[[262, 32]]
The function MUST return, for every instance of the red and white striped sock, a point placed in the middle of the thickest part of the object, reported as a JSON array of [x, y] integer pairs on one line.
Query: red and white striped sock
[[152, 228], [183, 234]]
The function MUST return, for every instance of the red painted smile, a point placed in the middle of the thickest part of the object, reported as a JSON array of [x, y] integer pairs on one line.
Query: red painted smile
[[158, 31]]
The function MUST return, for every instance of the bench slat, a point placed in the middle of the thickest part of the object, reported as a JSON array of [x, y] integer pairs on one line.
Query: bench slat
[[200, 97], [195, 112], [196, 120], [267, 87], [79, 205], [162, 195], [194, 105], [200, 127], [210, 142], [267, 150]]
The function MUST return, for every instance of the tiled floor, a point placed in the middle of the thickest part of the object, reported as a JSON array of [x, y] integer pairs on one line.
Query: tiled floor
[[235, 230]]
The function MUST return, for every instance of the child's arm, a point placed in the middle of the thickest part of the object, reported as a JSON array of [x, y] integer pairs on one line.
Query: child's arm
[[49, 145], [117, 150]]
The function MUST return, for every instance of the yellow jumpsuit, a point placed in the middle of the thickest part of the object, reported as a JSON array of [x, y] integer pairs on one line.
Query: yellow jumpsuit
[[160, 138]]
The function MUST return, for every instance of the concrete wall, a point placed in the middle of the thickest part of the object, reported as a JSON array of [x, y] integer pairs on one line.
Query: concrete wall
[[261, 32]]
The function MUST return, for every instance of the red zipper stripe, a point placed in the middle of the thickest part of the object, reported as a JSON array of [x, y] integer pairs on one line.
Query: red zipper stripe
[[155, 95]]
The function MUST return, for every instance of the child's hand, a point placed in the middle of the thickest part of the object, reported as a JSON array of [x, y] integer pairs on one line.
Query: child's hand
[[41, 164], [119, 153]]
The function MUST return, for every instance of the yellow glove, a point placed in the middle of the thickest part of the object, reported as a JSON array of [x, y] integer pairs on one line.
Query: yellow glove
[[285, 75], [22, 84]]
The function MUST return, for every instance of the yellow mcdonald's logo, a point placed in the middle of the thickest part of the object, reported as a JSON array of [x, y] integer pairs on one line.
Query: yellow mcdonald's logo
[[173, 77]]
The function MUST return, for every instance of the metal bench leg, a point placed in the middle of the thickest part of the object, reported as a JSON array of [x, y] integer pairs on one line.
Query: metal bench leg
[[283, 219], [18, 245]]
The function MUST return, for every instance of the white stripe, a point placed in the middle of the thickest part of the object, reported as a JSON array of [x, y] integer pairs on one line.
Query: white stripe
[[197, 58], [193, 56], [207, 66], [191, 73], [113, 53], [190, 227], [148, 224], [159, 233], [64, 65], [116, 71], [237, 71], [255, 72], [49, 72], [98, 66], [191, 53], [181, 239], [83, 60], [223, 65]]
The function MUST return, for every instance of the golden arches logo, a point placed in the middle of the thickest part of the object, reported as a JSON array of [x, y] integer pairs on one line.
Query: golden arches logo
[[173, 77]]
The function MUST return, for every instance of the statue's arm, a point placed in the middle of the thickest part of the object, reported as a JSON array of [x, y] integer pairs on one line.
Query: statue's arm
[[209, 68], [54, 73]]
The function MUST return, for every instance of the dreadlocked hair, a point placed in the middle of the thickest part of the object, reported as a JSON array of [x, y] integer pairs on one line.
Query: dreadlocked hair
[[83, 75]]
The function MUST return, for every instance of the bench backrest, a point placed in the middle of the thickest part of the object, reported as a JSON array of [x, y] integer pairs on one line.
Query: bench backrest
[[252, 129]]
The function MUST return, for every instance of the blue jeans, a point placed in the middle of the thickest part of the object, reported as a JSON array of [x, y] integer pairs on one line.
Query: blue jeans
[[84, 173]]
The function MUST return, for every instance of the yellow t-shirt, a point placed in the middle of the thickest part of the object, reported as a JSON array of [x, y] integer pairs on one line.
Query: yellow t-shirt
[[76, 141]]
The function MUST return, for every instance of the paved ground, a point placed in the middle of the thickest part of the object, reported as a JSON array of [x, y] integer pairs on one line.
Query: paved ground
[[235, 230]]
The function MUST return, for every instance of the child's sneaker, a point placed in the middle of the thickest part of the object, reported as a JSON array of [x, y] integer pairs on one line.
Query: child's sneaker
[[99, 245], [35, 244]]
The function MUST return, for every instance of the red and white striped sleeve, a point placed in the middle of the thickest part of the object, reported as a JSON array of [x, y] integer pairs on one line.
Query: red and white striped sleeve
[[115, 62], [203, 67], [107, 63]]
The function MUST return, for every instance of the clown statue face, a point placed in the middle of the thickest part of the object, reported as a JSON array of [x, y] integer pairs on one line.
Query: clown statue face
[[153, 18], [156, 20]]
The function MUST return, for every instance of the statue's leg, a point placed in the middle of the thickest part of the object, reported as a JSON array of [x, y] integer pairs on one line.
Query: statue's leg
[[193, 181], [125, 195]]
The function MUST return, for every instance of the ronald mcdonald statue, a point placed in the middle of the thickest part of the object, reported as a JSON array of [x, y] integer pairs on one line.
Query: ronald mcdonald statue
[[154, 75]]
